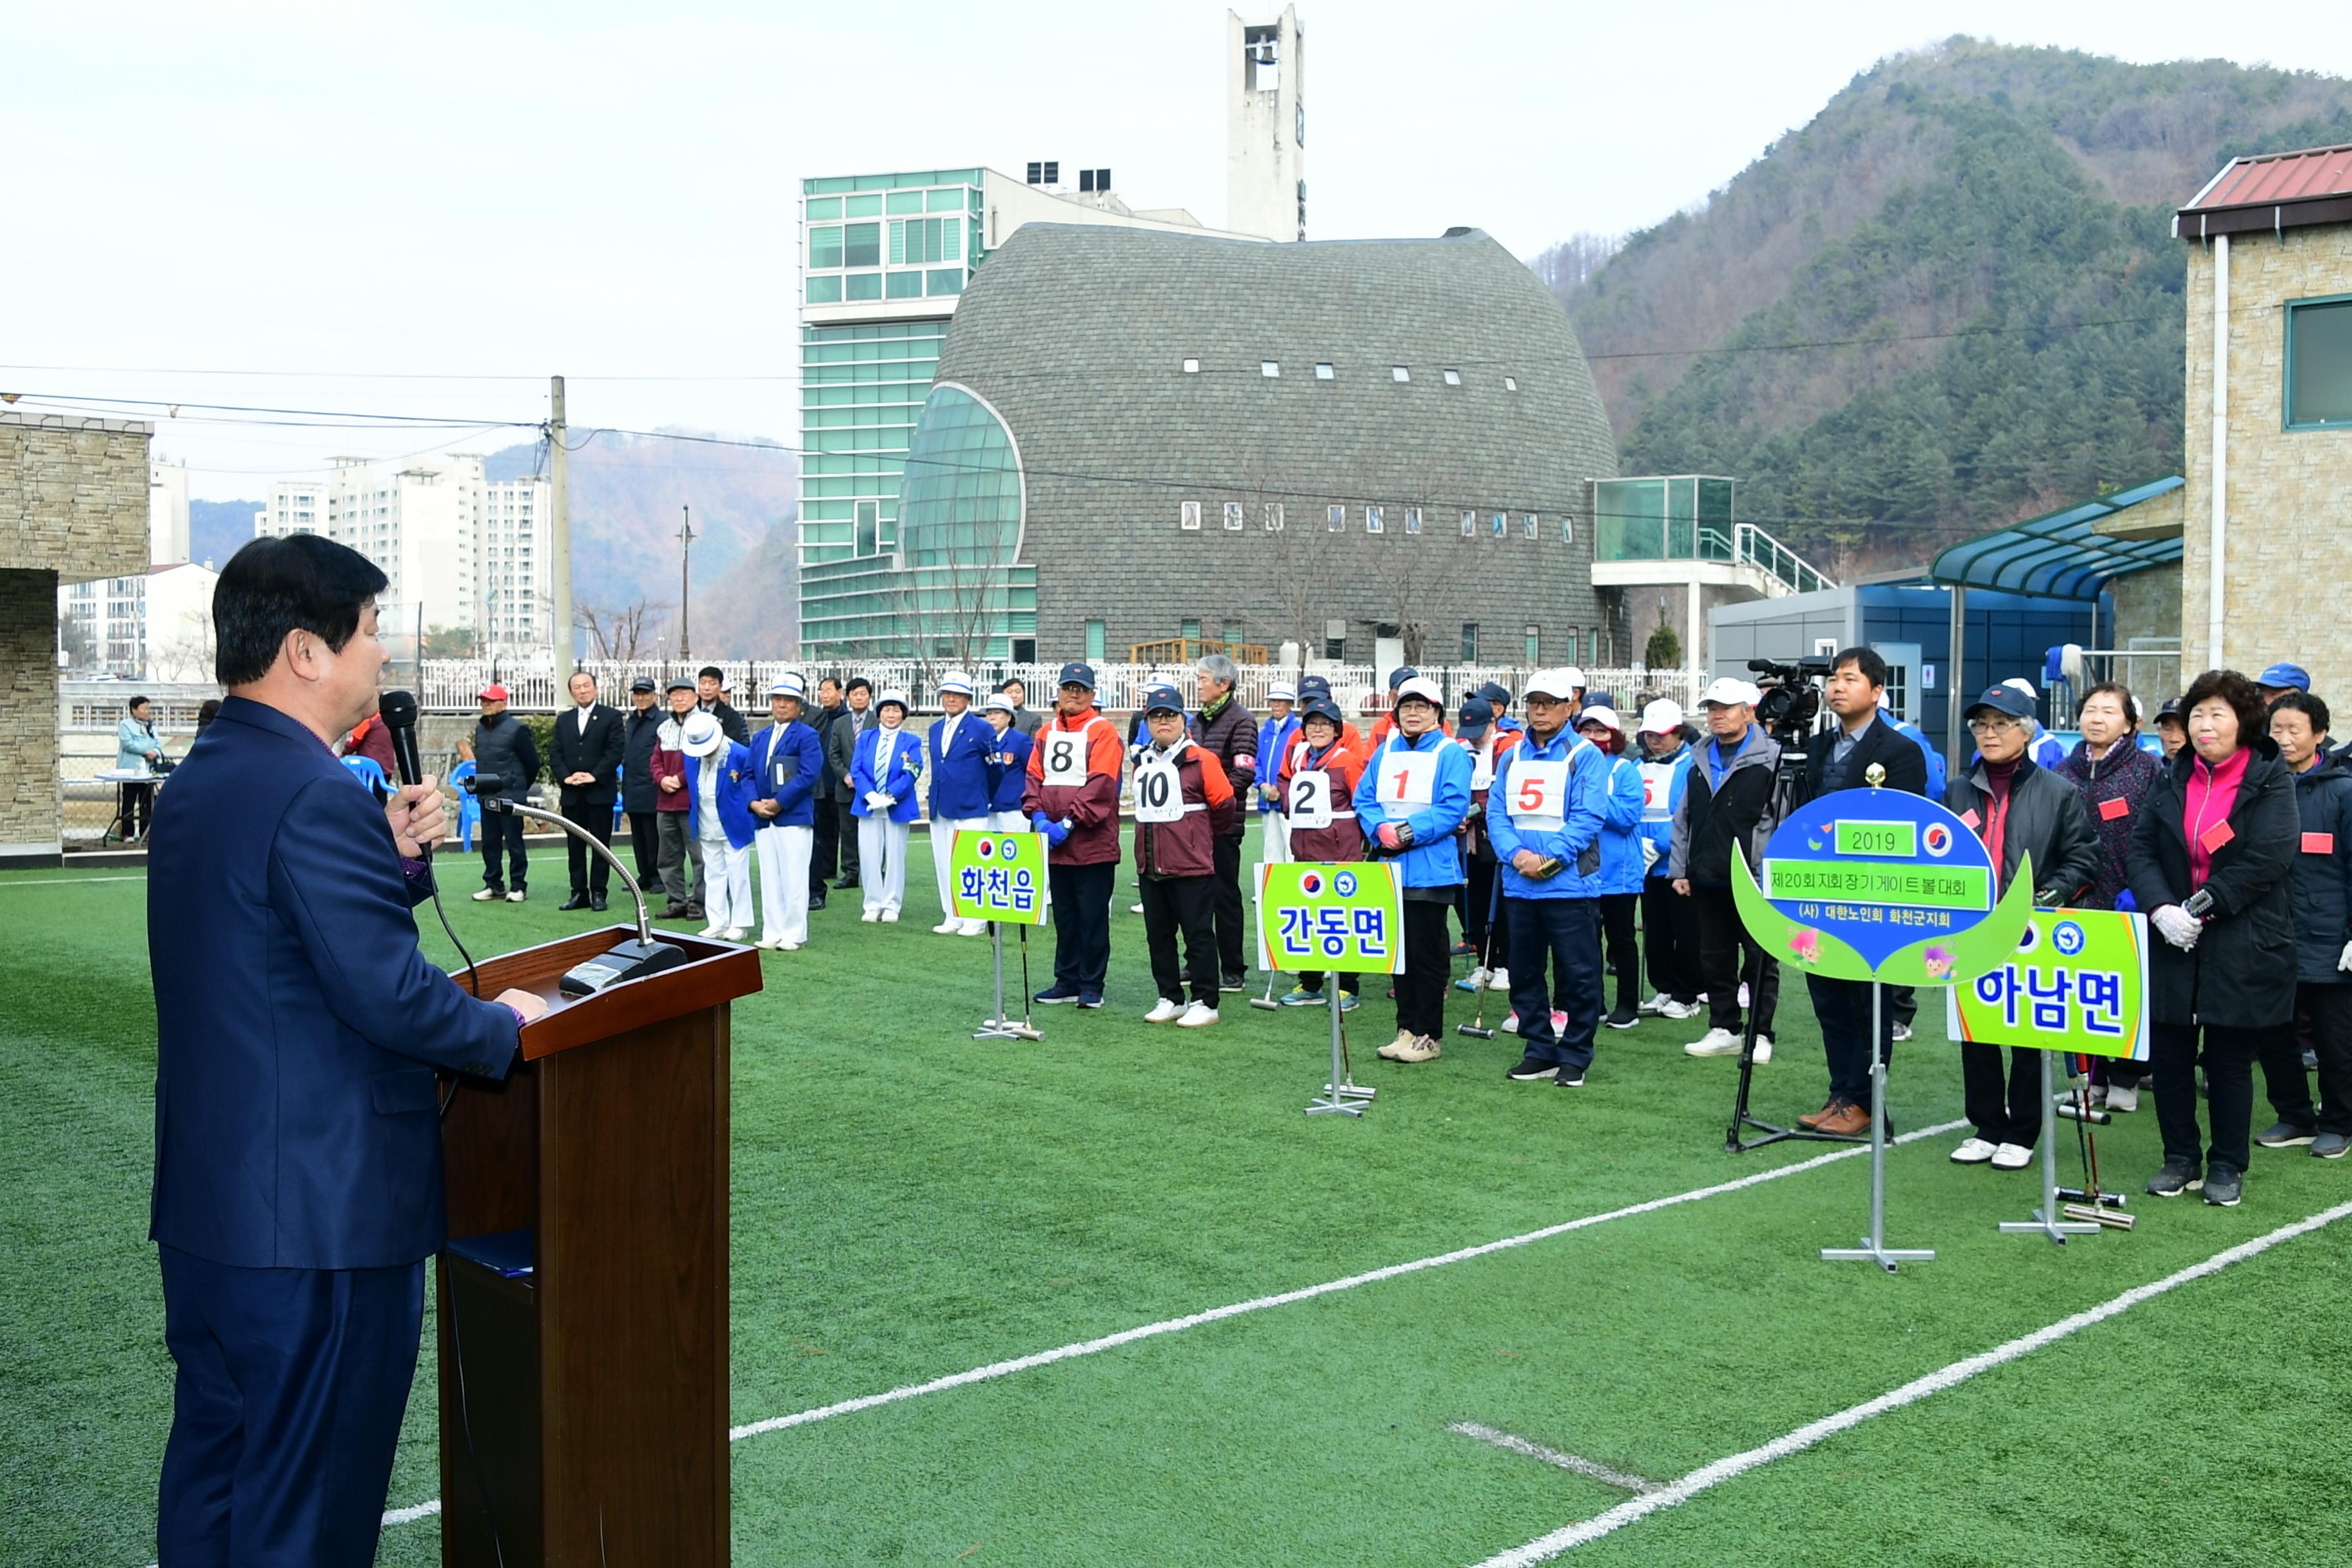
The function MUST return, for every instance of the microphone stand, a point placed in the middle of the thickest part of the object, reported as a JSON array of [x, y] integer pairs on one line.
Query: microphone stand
[[629, 960], [637, 894]]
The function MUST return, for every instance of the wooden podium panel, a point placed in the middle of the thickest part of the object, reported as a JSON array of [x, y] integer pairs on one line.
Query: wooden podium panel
[[585, 1421]]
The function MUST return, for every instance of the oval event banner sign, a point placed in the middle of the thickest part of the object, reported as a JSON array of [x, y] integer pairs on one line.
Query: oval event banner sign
[[1876, 884]]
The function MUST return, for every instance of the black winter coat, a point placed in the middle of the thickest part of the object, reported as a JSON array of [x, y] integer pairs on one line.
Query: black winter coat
[[638, 733], [2323, 871], [1229, 737], [2241, 974], [502, 745], [2046, 820]]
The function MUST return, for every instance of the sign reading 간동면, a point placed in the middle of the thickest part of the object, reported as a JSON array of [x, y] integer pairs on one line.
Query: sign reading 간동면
[[1877, 884], [1347, 918], [2077, 982], [998, 877]]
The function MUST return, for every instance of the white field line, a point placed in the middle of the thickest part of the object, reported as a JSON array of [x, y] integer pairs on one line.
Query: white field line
[[994, 1370], [1959, 1372], [68, 881], [1577, 1462]]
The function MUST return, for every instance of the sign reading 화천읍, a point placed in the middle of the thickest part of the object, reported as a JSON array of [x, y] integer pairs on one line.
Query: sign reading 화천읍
[[1319, 917], [998, 877], [2077, 982], [1878, 884]]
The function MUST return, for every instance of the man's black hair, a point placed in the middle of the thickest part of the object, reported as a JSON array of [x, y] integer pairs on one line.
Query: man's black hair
[[1866, 660], [713, 672], [858, 683], [273, 587], [2304, 702]]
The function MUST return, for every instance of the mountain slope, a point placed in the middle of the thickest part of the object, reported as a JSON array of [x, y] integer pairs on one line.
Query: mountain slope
[[1950, 300]]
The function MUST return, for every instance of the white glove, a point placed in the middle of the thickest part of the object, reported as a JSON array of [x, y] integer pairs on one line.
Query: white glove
[[1649, 854], [2178, 926], [2343, 959], [880, 800]]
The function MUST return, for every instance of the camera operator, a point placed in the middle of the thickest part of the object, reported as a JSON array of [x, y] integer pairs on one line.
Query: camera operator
[[1728, 808], [1842, 759]]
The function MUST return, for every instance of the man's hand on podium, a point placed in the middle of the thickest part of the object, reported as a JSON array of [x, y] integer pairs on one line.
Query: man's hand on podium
[[528, 1006], [416, 816]]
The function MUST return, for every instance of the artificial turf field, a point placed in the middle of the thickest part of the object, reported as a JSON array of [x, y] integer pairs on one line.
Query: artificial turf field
[[909, 1204]]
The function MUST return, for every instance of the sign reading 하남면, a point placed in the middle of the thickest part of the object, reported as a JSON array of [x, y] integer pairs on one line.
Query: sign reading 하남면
[[2077, 982], [998, 877], [1879, 884], [1344, 918]]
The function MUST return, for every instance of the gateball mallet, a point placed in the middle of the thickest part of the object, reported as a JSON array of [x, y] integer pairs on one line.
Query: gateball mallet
[[1478, 1031]]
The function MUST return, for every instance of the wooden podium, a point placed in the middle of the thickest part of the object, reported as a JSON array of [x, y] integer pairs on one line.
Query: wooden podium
[[582, 1301]]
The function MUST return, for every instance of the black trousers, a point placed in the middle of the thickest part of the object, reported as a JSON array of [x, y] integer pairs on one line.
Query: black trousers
[[1483, 924], [1624, 953], [500, 832], [1842, 1006], [590, 873], [1232, 924], [1428, 965], [2002, 1114], [1185, 904], [844, 826], [1670, 933], [2327, 1010], [2228, 1056], [1081, 923], [1726, 953], [644, 838], [137, 809]]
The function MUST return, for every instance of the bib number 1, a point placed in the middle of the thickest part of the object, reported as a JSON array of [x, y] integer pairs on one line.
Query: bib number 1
[[1408, 778]]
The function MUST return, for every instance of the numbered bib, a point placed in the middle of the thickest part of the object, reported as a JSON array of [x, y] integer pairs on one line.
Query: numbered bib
[[1408, 778], [1065, 756], [1657, 789], [1311, 800], [1539, 801], [1482, 765], [1159, 792]]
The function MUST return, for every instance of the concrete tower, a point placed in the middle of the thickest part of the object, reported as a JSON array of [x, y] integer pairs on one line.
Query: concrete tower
[[1266, 127]]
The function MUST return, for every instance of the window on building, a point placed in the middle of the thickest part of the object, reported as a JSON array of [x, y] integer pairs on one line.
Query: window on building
[[1189, 628], [864, 286], [1529, 524], [1187, 516], [1510, 383], [1501, 524], [862, 244], [1567, 528], [1399, 372], [1336, 648], [1469, 642], [1192, 367], [1412, 520], [1373, 521], [1469, 523], [906, 285], [2319, 362], [1533, 644], [1453, 378], [824, 246], [1095, 640], [1273, 517], [1233, 517], [1323, 371], [869, 537], [1335, 519], [1269, 368]]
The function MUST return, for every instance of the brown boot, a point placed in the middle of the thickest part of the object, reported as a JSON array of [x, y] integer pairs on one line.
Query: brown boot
[[1824, 1114], [1846, 1119]]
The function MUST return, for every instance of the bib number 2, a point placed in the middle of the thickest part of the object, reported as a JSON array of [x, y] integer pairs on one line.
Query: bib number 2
[[1310, 801]]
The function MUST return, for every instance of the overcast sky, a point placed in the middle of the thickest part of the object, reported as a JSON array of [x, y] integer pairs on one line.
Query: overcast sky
[[373, 194]]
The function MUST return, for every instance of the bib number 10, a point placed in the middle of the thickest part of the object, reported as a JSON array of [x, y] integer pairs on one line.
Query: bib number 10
[[1157, 797]]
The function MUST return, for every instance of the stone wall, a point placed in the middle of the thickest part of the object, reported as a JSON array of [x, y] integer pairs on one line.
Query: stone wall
[[2289, 550], [28, 717]]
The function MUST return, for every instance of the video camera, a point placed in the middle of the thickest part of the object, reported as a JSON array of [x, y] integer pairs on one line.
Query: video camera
[[1792, 698]]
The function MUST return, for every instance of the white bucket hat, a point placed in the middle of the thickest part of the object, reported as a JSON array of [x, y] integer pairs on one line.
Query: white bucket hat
[[955, 680], [789, 686], [700, 735]]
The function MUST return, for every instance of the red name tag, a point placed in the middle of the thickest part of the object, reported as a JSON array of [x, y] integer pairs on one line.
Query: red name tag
[[2213, 837], [1970, 818], [2111, 809], [2320, 844]]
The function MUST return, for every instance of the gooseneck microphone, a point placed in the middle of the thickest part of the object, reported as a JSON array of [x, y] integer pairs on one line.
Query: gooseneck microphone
[[627, 960]]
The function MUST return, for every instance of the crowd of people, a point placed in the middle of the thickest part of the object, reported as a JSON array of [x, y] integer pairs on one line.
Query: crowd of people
[[1563, 851]]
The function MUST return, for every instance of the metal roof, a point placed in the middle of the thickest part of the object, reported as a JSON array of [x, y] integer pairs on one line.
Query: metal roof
[[2058, 556], [2275, 191]]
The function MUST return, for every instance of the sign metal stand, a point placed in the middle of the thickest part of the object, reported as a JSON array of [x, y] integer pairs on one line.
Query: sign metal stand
[[1341, 1095], [996, 1025], [1874, 1247], [2046, 1220]]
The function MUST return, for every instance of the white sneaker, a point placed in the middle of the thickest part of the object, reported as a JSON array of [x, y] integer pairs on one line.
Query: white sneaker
[[1164, 1012], [1390, 1052], [769, 942], [1419, 1048], [2012, 1157], [1972, 1152], [1763, 1049], [1901, 1032], [2123, 1098], [1135, 909], [1510, 1024], [784, 946], [517, 896], [1714, 1043], [890, 917], [708, 930], [488, 895], [1670, 1009], [1498, 979], [1656, 1004], [1478, 978], [871, 915], [736, 933], [1199, 1016], [948, 927], [972, 928]]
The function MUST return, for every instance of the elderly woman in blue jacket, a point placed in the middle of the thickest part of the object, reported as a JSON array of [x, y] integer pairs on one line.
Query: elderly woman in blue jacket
[[719, 775], [1008, 766], [1545, 812], [1620, 860], [787, 762], [883, 773], [1412, 798]]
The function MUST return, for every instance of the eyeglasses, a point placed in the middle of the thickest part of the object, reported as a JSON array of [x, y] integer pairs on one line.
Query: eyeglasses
[[1991, 726]]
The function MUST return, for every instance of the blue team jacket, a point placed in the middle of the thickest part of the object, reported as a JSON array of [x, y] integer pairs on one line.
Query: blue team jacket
[[960, 781], [1273, 738], [1620, 829], [735, 784], [1434, 860], [1008, 770], [898, 777], [1935, 757], [1665, 779], [796, 744], [1577, 841], [297, 1026]]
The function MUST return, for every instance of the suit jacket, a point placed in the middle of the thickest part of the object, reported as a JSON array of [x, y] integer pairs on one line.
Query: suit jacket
[[297, 1026], [841, 749], [1906, 764], [597, 752]]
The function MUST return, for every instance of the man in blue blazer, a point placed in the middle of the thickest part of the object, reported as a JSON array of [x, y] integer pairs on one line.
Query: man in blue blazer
[[960, 746], [298, 1154]]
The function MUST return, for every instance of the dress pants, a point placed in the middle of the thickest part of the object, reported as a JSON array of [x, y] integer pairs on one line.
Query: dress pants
[[1233, 936], [1185, 904], [727, 902], [2011, 1117], [2228, 1061], [644, 838], [678, 847], [500, 832], [1670, 940], [784, 854], [1428, 962], [1274, 838], [1008, 821], [824, 846], [286, 1409], [1625, 956], [2327, 1010], [852, 844], [1082, 923], [1843, 1008], [944, 832], [1567, 932], [882, 850], [1726, 955], [590, 872]]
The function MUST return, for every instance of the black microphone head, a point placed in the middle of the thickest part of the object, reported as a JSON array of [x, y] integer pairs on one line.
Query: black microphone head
[[397, 709], [398, 712]]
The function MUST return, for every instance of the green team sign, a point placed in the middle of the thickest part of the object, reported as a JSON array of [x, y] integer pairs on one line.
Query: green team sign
[[2077, 982], [1341, 918], [998, 877]]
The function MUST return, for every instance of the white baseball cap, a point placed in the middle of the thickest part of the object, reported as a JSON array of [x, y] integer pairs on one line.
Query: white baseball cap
[[955, 680], [1279, 692], [1606, 717], [1664, 716], [2025, 688], [1421, 686], [1573, 676], [1562, 682], [1729, 691], [700, 735]]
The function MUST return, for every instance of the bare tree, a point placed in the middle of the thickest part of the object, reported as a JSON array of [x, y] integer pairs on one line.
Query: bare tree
[[622, 631]]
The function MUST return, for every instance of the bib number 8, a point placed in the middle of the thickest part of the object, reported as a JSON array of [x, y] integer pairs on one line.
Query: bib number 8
[[1065, 759]]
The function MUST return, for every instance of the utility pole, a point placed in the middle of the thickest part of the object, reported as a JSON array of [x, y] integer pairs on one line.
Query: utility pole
[[560, 543], [685, 579]]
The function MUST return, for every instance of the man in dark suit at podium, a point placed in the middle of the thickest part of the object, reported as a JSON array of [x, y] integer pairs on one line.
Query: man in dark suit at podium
[[298, 1154]]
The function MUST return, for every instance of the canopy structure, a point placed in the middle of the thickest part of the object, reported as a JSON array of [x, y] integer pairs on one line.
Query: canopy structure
[[2059, 556]]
